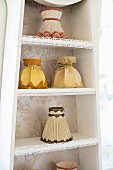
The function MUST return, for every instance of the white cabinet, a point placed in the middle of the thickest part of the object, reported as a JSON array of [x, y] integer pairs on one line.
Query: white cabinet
[[24, 111]]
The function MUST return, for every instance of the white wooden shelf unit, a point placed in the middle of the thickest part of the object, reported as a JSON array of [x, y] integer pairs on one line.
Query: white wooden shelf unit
[[56, 92], [35, 145], [81, 22], [55, 42]]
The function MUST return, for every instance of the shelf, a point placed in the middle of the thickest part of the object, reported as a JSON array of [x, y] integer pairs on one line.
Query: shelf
[[35, 145], [57, 3], [55, 42], [56, 92]]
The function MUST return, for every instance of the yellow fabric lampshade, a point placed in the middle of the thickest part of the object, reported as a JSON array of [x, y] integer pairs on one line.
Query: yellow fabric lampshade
[[67, 76], [32, 76]]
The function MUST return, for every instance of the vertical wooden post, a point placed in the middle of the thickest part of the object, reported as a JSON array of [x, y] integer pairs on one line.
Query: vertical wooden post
[[12, 51]]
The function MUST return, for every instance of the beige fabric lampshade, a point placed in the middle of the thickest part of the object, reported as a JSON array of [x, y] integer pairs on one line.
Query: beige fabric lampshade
[[67, 76], [51, 26], [56, 128]]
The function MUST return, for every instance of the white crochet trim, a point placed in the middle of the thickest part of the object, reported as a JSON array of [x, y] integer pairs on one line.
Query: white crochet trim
[[56, 42], [34, 145]]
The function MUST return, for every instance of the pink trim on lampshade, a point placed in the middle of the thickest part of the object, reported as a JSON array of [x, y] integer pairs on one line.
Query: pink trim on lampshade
[[56, 19]]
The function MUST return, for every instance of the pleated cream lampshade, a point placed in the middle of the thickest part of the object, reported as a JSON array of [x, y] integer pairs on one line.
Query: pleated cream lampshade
[[32, 76], [56, 128], [67, 76], [51, 26]]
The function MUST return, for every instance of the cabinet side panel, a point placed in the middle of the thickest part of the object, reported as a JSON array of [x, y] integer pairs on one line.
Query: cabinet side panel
[[89, 158], [86, 67], [87, 115], [81, 21], [10, 82]]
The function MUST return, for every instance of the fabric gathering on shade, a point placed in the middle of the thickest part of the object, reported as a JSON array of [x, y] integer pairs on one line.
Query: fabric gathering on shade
[[32, 76], [67, 76]]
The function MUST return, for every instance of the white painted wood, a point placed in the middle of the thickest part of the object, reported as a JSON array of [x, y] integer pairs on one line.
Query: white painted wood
[[95, 18], [3, 14], [54, 42], [87, 115], [89, 158], [57, 3], [9, 82], [56, 92], [35, 145]]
